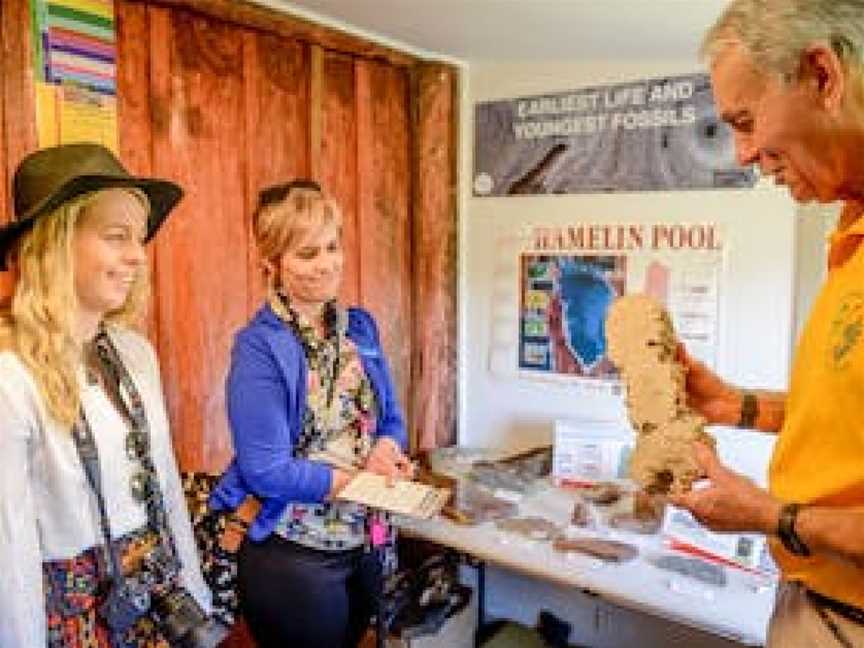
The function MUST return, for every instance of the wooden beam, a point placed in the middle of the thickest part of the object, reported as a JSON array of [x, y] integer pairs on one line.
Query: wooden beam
[[384, 212], [134, 118], [6, 278], [276, 110], [434, 123], [202, 274], [18, 112], [5, 198], [19, 93], [316, 108], [255, 16], [337, 171]]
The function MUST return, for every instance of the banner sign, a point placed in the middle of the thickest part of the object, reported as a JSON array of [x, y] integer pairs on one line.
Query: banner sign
[[656, 134]]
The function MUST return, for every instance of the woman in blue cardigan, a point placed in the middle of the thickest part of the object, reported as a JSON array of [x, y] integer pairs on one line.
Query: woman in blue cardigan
[[308, 390]]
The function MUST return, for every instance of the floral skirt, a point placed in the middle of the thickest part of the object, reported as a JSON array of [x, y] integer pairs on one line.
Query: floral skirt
[[74, 592]]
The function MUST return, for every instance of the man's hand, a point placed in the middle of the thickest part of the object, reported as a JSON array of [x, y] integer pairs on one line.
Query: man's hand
[[708, 394], [731, 502]]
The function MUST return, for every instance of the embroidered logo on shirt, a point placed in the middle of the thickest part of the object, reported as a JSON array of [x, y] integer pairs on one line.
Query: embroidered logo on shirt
[[846, 329]]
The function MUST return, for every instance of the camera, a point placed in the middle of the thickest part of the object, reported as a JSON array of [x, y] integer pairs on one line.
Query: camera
[[125, 604], [154, 592], [183, 623]]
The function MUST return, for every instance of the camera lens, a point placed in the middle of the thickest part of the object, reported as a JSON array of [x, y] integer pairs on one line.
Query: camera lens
[[185, 624]]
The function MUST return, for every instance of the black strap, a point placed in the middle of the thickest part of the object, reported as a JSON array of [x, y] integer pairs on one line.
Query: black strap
[[124, 393], [335, 325], [89, 456], [129, 398], [843, 609]]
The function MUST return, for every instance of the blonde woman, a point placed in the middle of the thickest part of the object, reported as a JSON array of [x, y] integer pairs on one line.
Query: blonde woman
[[95, 544], [307, 378]]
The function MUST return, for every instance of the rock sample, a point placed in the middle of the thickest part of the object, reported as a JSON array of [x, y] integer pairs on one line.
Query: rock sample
[[641, 342], [607, 550]]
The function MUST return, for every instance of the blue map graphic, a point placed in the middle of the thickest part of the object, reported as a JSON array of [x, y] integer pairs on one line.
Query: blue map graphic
[[585, 297]]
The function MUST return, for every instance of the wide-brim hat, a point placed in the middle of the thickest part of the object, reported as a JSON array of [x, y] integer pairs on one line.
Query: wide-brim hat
[[52, 176]]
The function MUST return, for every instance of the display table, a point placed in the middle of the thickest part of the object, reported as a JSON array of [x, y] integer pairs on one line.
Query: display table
[[738, 610]]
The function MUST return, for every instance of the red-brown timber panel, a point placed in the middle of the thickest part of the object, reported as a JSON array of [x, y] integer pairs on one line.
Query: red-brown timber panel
[[19, 104], [434, 252], [133, 86], [133, 108], [384, 186], [19, 96], [5, 207], [202, 271], [276, 84], [255, 16], [338, 160]]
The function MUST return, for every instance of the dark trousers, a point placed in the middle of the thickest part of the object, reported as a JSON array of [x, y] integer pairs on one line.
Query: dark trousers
[[296, 597]]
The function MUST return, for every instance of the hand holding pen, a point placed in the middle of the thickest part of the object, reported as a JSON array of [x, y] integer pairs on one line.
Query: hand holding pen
[[388, 459]]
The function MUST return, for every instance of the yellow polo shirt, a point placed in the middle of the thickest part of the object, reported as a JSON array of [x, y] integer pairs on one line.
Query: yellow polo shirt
[[819, 455]]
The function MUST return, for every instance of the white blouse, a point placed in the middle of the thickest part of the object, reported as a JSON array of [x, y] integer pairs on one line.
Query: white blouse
[[47, 508]]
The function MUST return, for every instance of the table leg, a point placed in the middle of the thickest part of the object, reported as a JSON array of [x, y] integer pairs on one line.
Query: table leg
[[481, 602]]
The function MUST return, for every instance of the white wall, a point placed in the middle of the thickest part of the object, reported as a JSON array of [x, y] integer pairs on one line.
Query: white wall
[[756, 303], [814, 222]]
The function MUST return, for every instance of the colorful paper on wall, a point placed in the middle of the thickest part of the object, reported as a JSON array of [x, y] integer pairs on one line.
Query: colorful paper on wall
[[74, 55], [47, 123], [87, 116], [79, 44]]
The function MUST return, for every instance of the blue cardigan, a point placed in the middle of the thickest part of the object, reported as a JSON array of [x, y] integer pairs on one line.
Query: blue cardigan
[[266, 398]]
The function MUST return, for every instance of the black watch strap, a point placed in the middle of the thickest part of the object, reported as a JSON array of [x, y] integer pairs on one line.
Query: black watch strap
[[749, 409], [786, 530]]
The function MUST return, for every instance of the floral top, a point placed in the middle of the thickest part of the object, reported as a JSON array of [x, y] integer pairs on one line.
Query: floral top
[[340, 421]]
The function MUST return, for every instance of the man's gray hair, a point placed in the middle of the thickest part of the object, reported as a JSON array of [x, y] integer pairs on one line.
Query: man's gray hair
[[776, 32]]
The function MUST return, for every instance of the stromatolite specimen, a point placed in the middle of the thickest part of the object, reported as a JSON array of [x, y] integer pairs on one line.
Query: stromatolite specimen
[[535, 528], [641, 341]]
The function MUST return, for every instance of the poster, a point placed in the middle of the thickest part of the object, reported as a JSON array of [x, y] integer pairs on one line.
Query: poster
[[569, 276], [564, 298], [74, 57], [654, 134]]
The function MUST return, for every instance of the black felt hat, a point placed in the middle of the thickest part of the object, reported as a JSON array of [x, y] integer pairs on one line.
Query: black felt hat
[[52, 176]]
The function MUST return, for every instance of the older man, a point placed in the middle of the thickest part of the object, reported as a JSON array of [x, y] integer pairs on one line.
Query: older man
[[788, 77]]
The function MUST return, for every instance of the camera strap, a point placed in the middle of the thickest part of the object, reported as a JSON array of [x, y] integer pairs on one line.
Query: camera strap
[[123, 392], [85, 444]]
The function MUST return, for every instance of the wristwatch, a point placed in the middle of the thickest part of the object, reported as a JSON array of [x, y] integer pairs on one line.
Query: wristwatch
[[786, 530], [749, 410]]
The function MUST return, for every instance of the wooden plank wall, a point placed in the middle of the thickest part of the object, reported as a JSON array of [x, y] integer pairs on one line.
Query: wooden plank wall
[[5, 277], [434, 99], [226, 98], [18, 134], [383, 224], [335, 163]]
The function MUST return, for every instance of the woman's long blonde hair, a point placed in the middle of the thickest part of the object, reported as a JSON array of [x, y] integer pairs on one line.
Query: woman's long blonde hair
[[38, 323]]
